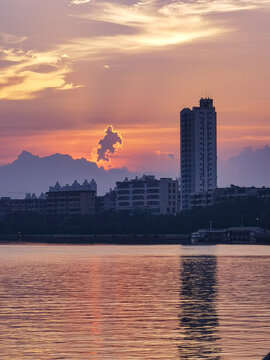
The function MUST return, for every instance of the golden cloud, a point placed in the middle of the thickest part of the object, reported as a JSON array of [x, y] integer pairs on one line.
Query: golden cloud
[[79, 2], [155, 26], [206, 7], [31, 72], [152, 29], [11, 39]]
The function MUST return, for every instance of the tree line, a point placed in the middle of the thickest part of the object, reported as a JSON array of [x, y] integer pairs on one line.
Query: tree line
[[248, 212]]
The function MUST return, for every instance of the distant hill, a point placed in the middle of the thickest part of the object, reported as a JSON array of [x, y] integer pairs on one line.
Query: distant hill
[[32, 173]]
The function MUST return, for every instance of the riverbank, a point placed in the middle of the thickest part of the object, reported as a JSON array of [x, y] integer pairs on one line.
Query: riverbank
[[140, 239], [115, 239]]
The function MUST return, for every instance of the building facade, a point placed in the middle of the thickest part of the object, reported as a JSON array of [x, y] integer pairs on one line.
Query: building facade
[[106, 202], [201, 199], [31, 203], [235, 193], [229, 194], [198, 151], [72, 199], [25, 205], [147, 194]]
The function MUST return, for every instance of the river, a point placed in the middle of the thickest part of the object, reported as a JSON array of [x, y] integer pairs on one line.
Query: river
[[134, 302]]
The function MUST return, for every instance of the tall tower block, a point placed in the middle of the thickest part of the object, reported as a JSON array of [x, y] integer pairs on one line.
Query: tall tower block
[[198, 150]]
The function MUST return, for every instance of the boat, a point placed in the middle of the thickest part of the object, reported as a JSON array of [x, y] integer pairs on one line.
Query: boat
[[197, 237]]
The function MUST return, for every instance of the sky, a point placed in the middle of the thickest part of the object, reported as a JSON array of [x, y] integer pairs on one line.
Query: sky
[[72, 71]]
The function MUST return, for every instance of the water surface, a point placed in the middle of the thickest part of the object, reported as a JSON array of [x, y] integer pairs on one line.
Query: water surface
[[134, 302]]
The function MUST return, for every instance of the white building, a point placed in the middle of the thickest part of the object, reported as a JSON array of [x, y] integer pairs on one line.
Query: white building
[[198, 150], [147, 194]]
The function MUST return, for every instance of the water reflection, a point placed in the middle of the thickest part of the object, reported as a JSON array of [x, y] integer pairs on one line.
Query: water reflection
[[198, 317], [110, 303]]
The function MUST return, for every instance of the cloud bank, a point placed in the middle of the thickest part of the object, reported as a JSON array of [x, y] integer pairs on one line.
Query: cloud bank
[[249, 168], [35, 174]]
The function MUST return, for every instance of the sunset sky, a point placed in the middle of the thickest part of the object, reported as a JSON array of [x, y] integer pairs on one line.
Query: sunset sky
[[69, 69]]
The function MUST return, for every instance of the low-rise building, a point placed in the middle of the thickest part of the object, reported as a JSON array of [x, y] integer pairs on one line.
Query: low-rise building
[[239, 192], [232, 193], [106, 202], [5, 206], [147, 194], [72, 199], [92, 185], [25, 205], [31, 203]]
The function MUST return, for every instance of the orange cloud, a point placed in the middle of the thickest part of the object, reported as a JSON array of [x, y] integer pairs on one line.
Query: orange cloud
[[108, 146]]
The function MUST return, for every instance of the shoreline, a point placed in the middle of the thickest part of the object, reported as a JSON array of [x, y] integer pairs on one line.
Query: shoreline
[[68, 239], [117, 239]]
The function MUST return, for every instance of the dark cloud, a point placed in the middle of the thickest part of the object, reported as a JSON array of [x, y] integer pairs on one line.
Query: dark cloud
[[109, 144], [249, 168], [35, 174]]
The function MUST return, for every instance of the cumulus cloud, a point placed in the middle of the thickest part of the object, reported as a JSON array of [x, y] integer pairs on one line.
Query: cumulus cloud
[[108, 146]]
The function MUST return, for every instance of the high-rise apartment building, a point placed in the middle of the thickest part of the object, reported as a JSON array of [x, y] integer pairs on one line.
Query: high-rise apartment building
[[198, 151]]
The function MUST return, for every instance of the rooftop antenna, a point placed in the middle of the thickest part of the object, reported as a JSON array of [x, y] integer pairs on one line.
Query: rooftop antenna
[[208, 94]]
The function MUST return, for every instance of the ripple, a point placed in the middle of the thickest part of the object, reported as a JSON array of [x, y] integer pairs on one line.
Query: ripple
[[141, 302]]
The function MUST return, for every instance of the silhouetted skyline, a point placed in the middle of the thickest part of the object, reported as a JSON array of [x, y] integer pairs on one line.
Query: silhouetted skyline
[[35, 174]]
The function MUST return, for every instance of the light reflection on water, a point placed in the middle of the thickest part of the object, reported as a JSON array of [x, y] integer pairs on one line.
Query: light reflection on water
[[198, 316], [134, 302]]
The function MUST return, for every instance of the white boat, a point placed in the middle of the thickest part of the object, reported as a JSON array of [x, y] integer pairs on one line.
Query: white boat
[[197, 237]]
